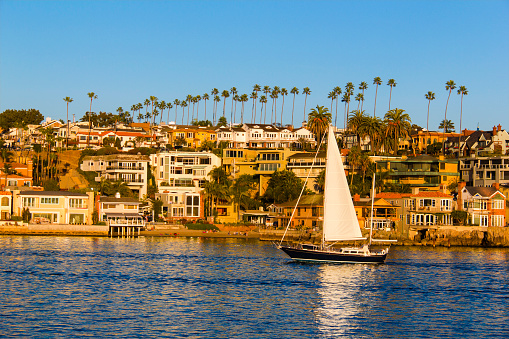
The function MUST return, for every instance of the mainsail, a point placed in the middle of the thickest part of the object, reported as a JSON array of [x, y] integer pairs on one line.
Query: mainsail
[[339, 218]]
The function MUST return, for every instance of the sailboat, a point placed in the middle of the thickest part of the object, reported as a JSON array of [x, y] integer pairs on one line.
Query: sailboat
[[339, 220]]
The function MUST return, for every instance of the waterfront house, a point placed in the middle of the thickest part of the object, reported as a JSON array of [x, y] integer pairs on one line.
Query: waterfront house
[[119, 210], [58, 207], [129, 168], [5, 205], [429, 208], [484, 171], [486, 206], [181, 202], [384, 214]]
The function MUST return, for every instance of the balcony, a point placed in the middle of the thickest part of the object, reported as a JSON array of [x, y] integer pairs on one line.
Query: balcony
[[128, 168]]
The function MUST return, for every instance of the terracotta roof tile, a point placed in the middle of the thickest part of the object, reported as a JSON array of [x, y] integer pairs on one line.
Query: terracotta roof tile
[[430, 194]]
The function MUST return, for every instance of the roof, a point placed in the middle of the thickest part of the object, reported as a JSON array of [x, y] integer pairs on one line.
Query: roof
[[118, 156], [305, 155], [53, 193], [482, 191], [305, 200], [379, 202], [119, 200], [393, 195], [431, 194]]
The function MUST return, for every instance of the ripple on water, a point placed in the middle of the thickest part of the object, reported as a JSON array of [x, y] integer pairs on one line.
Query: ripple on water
[[227, 288]]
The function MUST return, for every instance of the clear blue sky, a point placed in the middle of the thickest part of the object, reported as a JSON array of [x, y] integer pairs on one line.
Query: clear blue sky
[[125, 51]]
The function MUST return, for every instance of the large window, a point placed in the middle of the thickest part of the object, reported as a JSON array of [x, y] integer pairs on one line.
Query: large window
[[28, 202], [498, 204], [76, 203], [426, 202], [269, 167], [270, 156], [53, 201], [445, 205], [5, 201], [497, 220], [193, 206]]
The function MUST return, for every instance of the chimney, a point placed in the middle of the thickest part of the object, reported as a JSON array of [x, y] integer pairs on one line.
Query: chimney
[[499, 128], [415, 190], [356, 197], [459, 201], [496, 185], [494, 130]]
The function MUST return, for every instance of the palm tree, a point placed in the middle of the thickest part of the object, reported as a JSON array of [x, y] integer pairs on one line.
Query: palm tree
[[346, 100], [176, 102], [359, 97], [336, 90], [357, 122], [449, 86], [376, 81], [253, 96], [146, 103], [398, 126], [391, 83], [256, 88], [225, 94], [349, 90], [183, 104], [294, 91], [284, 93], [216, 100], [205, 97], [189, 99], [374, 128], [92, 96], [236, 98], [275, 94], [319, 120], [447, 125], [429, 96], [198, 99], [263, 101], [68, 100], [162, 106], [233, 92], [7, 169], [241, 189], [306, 91], [332, 95], [243, 98], [266, 90], [462, 91], [362, 86]]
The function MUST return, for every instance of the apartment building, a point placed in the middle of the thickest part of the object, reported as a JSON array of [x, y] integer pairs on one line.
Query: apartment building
[[484, 171], [183, 169], [129, 168]]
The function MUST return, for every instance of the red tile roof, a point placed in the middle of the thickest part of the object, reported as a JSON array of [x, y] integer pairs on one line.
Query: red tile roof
[[393, 195], [430, 194]]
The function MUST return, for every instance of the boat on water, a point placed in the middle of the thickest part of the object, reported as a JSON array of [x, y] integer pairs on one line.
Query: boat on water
[[340, 222]]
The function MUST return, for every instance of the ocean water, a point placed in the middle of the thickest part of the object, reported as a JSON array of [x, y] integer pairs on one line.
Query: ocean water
[[68, 287]]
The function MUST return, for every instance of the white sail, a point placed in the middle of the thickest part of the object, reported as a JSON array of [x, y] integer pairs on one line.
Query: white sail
[[339, 219]]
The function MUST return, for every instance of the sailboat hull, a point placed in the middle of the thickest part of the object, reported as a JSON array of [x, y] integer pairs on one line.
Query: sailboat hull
[[311, 255]]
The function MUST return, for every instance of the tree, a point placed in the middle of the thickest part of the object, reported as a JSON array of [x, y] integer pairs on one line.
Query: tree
[[283, 186], [357, 124], [243, 98], [398, 126], [263, 101], [449, 86], [359, 97], [337, 91], [284, 93], [374, 128], [92, 96], [294, 91], [353, 159], [307, 92], [10, 117], [68, 100], [253, 96], [241, 189], [176, 102], [391, 83], [376, 81], [205, 97], [51, 185], [461, 91], [362, 86], [222, 122], [26, 215], [319, 120], [332, 95], [447, 126], [320, 181], [225, 94], [233, 92], [429, 96], [7, 169]]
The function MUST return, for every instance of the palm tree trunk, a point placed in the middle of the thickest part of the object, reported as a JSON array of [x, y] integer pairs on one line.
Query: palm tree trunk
[[293, 106], [376, 93], [445, 122]]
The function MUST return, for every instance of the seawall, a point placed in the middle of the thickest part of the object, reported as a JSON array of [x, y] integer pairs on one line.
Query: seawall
[[441, 236], [53, 229]]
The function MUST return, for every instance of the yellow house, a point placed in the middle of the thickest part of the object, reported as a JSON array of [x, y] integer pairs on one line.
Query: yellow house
[[424, 172], [385, 215], [194, 136], [256, 162], [58, 207], [422, 139]]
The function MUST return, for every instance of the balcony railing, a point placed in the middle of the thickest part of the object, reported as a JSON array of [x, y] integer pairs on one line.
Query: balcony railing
[[131, 168]]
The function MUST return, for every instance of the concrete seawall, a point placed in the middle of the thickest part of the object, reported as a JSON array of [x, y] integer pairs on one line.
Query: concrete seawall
[[446, 236], [54, 229]]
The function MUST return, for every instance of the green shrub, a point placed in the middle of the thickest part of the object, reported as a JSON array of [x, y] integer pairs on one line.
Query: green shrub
[[199, 226]]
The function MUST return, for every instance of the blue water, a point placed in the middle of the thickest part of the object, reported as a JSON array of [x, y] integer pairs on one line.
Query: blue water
[[69, 287]]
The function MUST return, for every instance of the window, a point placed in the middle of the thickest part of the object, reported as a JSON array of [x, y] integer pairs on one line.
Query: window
[[28, 202], [270, 156], [497, 220], [483, 220], [498, 204], [130, 207], [426, 202], [480, 205], [445, 205], [76, 203], [178, 211], [5, 201], [193, 206], [269, 167], [49, 201]]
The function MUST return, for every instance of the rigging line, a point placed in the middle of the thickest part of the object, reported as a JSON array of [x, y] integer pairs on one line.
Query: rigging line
[[302, 190], [372, 203]]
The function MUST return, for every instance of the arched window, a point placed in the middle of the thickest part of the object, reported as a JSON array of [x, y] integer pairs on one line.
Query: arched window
[[5, 201]]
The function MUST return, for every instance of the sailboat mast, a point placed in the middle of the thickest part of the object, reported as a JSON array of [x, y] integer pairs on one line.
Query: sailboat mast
[[372, 204]]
